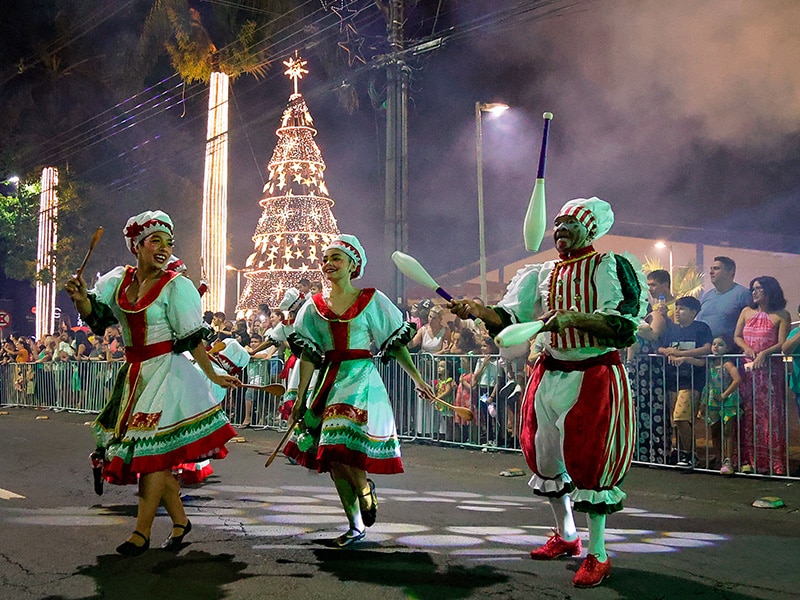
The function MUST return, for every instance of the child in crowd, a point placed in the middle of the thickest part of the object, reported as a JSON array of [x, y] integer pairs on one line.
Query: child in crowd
[[721, 400], [445, 388], [685, 381]]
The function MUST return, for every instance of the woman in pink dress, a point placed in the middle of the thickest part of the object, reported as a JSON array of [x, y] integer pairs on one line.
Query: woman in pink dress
[[760, 332]]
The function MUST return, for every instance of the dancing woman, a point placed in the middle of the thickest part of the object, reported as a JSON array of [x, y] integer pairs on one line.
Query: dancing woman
[[347, 424], [162, 411]]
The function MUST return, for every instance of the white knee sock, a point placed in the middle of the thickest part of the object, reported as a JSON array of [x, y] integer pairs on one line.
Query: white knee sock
[[597, 536], [350, 504], [562, 509]]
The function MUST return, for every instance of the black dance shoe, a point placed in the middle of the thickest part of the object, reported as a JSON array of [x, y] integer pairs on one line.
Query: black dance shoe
[[370, 515], [176, 543], [128, 548], [97, 471]]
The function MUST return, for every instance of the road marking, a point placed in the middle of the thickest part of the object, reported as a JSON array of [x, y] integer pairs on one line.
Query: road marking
[[6, 495]]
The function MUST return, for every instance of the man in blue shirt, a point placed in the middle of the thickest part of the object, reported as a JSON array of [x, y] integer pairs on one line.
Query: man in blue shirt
[[721, 305]]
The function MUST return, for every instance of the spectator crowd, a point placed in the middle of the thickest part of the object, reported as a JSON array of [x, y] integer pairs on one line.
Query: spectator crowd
[[711, 364]]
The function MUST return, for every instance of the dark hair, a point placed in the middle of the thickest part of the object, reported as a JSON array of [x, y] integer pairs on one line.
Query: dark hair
[[689, 302], [490, 342], [728, 263], [660, 276], [304, 281], [467, 342], [773, 292], [727, 339]]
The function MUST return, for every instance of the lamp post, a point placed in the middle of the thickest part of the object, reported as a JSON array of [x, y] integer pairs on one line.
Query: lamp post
[[481, 107], [238, 282], [661, 245]]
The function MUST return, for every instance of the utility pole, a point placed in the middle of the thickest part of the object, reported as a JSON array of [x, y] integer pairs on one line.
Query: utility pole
[[396, 197]]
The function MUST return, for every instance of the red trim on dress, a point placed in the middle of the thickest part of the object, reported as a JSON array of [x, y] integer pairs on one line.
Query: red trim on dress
[[189, 474], [359, 304], [134, 354], [326, 456], [150, 297], [212, 446]]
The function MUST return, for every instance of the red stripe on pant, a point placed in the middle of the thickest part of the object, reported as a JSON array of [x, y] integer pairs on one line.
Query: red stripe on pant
[[597, 428]]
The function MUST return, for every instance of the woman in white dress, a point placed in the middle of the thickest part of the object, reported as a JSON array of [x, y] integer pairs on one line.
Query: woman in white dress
[[347, 427], [162, 411]]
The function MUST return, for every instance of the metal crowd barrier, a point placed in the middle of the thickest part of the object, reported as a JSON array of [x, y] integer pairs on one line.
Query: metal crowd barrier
[[765, 426], [759, 430], [494, 400], [84, 386]]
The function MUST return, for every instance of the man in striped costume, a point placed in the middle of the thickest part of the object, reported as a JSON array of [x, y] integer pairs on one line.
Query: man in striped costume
[[578, 425]]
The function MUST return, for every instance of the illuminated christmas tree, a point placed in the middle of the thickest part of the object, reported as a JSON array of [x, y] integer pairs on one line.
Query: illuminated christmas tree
[[297, 222]]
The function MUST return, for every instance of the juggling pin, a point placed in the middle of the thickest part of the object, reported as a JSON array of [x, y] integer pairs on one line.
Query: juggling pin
[[536, 215], [410, 267], [518, 333]]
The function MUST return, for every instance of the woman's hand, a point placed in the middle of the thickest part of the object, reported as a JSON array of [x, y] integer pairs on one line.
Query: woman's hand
[[77, 292], [425, 390], [226, 381], [298, 410], [761, 360]]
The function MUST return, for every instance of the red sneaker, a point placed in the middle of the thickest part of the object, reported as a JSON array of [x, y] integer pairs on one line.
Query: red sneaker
[[555, 547], [592, 572]]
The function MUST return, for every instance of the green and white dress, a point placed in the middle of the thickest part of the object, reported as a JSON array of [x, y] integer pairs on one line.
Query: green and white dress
[[350, 419], [163, 410]]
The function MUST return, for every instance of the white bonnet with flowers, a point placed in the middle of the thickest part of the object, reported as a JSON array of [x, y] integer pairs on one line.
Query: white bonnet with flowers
[[593, 213], [139, 227], [350, 245]]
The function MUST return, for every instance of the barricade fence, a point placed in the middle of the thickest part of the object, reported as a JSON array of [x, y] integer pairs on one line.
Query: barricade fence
[[683, 418], [84, 386]]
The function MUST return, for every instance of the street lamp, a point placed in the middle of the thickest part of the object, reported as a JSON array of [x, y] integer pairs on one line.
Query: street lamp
[[661, 245], [238, 281], [494, 108]]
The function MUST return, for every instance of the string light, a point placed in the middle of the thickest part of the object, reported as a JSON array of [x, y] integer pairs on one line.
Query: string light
[[297, 221], [215, 194], [48, 237]]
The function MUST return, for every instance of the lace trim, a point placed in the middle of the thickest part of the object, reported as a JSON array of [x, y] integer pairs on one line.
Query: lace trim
[[304, 348], [401, 337]]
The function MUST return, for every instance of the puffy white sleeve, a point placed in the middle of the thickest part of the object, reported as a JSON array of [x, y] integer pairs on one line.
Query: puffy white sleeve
[[386, 323], [105, 288], [183, 309], [307, 339], [523, 298]]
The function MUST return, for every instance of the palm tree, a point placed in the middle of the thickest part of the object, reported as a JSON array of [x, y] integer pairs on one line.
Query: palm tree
[[686, 280]]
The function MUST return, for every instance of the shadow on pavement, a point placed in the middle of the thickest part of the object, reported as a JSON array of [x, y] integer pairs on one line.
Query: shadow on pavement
[[158, 574], [635, 585], [413, 572]]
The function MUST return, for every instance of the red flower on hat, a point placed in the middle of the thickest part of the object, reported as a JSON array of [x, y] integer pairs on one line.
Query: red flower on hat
[[133, 230]]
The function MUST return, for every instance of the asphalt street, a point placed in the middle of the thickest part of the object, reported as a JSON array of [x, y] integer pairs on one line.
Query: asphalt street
[[449, 528]]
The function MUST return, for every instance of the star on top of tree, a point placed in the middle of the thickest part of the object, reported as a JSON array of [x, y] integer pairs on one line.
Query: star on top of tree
[[295, 69]]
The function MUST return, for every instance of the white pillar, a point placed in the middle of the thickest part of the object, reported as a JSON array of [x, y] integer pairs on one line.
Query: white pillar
[[48, 237], [215, 194]]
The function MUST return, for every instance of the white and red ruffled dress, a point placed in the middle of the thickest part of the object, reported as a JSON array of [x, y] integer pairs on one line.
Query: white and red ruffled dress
[[162, 411], [349, 413]]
